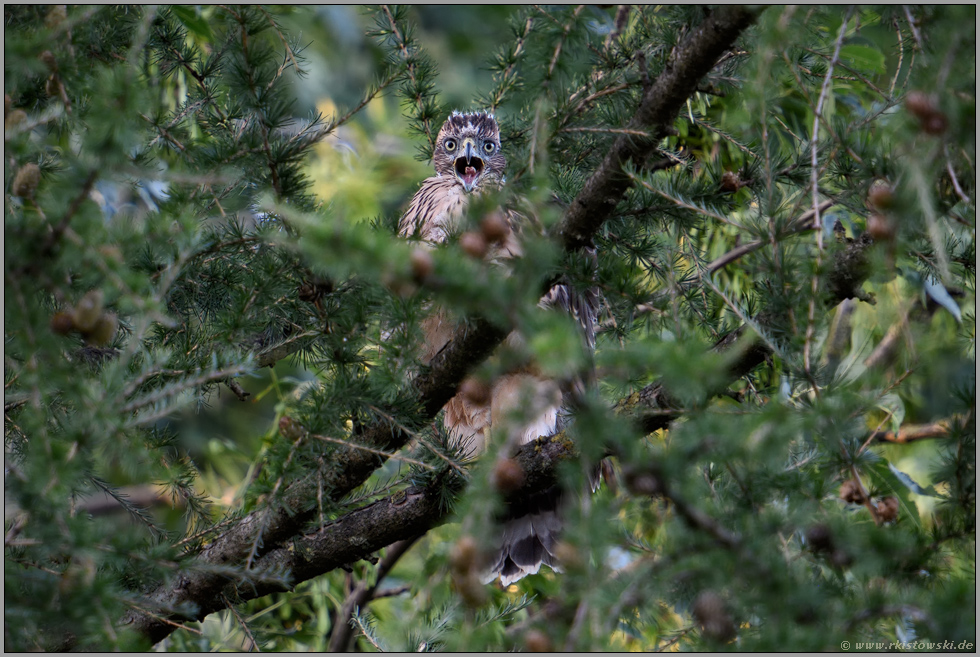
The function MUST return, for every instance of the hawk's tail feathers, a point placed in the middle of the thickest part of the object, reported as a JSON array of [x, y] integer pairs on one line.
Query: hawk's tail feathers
[[529, 537]]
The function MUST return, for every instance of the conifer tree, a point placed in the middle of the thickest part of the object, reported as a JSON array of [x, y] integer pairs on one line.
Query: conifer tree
[[781, 204]]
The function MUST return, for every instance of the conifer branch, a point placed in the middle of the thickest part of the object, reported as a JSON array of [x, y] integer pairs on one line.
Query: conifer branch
[[336, 122], [363, 593], [689, 62], [289, 56], [622, 14], [418, 87], [52, 239], [801, 224], [277, 526], [346, 540], [124, 501], [507, 78]]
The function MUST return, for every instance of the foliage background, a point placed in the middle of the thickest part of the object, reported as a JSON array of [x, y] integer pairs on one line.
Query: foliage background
[[180, 174]]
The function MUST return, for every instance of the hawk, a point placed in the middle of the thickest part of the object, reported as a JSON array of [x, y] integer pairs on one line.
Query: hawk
[[468, 161]]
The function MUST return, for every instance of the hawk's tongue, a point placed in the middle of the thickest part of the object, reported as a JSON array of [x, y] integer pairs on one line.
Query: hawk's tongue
[[469, 175]]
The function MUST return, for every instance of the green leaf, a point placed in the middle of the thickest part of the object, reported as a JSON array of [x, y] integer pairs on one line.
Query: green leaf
[[893, 405], [911, 484], [884, 479], [864, 59], [937, 291], [190, 17]]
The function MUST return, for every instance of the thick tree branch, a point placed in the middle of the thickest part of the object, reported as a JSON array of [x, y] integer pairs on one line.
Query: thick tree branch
[[277, 525], [348, 539], [913, 432], [689, 62]]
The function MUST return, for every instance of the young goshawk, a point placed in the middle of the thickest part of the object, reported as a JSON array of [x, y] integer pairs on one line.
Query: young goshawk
[[469, 161]]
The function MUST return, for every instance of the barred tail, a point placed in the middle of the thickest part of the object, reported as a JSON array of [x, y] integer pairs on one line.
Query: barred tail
[[528, 539]]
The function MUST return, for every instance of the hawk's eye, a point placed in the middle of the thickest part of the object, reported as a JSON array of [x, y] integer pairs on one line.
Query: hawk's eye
[[449, 145], [489, 147]]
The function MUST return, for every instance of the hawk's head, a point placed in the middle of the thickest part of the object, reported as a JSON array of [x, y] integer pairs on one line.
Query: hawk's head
[[468, 149]]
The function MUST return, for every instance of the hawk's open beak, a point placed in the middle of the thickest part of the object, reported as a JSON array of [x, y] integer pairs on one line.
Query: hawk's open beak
[[468, 166]]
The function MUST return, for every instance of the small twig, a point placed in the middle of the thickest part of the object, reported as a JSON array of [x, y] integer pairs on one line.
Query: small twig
[[366, 634], [748, 321], [169, 392], [815, 191], [536, 125], [698, 519], [237, 389], [253, 647], [163, 133], [857, 75], [576, 629], [206, 532], [372, 450], [50, 114], [915, 30], [788, 131], [410, 70], [166, 620], [13, 404], [865, 498], [952, 176], [901, 59], [888, 416], [31, 564], [725, 136], [618, 131], [926, 203], [414, 434], [886, 348], [368, 97], [15, 529], [363, 594], [799, 225], [285, 44], [584, 102], [823, 120], [190, 107], [561, 42], [271, 355], [392, 591], [677, 638], [505, 80], [622, 13], [678, 202]]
